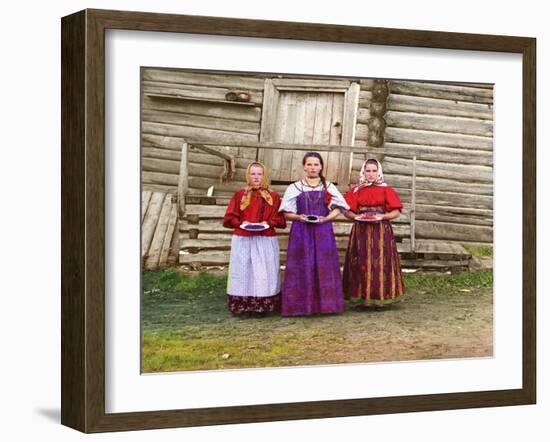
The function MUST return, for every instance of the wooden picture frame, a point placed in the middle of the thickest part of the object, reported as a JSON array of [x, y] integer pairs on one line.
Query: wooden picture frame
[[83, 220]]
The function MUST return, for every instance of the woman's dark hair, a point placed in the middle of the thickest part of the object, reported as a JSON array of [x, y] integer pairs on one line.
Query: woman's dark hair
[[372, 161], [320, 158]]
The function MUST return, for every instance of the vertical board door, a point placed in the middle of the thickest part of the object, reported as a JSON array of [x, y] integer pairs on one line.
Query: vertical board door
[[316, 112]]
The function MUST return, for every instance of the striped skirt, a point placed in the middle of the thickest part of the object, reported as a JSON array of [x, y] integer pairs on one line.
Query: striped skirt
[[372, 270], [253, 282]]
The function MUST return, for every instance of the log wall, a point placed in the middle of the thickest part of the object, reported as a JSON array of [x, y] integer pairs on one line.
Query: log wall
[[450, 129], [179, 105]]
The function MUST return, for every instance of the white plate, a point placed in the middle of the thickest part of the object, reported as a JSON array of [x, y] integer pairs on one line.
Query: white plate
[[254, 229], [364, 220]]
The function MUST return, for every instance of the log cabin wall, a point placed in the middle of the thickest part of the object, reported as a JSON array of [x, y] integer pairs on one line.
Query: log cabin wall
[[450, 129], [179, 105]]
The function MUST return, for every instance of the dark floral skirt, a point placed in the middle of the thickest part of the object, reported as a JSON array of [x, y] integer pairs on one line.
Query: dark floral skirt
[[260, 304]]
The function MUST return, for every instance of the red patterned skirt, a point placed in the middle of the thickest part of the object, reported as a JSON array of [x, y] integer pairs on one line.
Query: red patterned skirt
[[372, 270], [260, 304]]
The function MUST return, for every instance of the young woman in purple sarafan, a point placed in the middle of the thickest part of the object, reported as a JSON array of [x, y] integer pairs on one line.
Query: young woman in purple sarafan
[[312, 282]]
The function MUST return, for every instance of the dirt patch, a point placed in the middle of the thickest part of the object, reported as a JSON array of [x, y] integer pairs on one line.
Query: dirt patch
[[199, 334]]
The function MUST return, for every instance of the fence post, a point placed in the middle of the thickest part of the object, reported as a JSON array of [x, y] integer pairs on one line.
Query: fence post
[[183, 179], [413, 205]]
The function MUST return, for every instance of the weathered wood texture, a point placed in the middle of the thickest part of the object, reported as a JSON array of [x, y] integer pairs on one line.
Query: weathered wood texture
[[181, 105], [159, 220], [205, 242], [449, 127]]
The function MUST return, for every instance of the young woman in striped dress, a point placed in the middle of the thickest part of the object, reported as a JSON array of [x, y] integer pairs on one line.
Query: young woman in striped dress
[[372, 270]]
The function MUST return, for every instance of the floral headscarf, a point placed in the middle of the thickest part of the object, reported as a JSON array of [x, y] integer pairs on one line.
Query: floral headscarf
[[263, 190], [362, 181]]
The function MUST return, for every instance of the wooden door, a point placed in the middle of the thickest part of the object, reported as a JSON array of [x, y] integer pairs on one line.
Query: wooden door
[[315, 112]]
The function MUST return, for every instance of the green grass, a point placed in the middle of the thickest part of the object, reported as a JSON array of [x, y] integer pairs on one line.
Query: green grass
[[479, 250], [186, 324], [445, 284]]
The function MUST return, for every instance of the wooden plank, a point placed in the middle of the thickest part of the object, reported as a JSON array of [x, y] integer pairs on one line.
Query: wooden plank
[[311, 110], [214, 101], [215, 150], [361, 132], [310, 83], [219, 152], [152, 256], [341, 228], [165, 179], [459, 172], [174, 244], [145, 198], [436, 106], [200, 244], [183, 179], [285, 131], [335, 137], [199, 159], [441, 90], [286, 146], [413, 205], [224, 80], [221, 257], [194, 133], [456, 199], [215, 172], [229, 187], [438, 123], [151, 219], [363, 114], [365, 97], [204, 109], [321, 133], [194, 91], [162, 141], [366, 84], [218, 192], [414, 136], [455, 219], [269, 120], [459, 215], [438, 153], [160, 165], [455, 231], [157, 153], [168, 237], [159, 188], [224, 124], [439, 184], [218, 211], [295, 167], [351, 104]]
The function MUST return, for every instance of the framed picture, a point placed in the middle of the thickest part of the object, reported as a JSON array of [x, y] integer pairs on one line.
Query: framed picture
[[162, 116]]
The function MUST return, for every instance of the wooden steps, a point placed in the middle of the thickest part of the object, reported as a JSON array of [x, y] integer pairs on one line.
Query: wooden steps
[[204, 242], [432, 255]]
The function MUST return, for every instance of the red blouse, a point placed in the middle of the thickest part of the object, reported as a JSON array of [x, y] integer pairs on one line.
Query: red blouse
[[373, 196], [257, 211]]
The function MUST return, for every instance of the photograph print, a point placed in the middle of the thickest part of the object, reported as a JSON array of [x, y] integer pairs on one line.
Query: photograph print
[[302, 220]]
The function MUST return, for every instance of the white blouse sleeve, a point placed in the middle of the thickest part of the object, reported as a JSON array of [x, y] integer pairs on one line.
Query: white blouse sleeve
[[288, 203], [337, 201]]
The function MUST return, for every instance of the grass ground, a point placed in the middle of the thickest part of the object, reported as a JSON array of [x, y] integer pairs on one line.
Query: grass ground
[[186, 326]]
